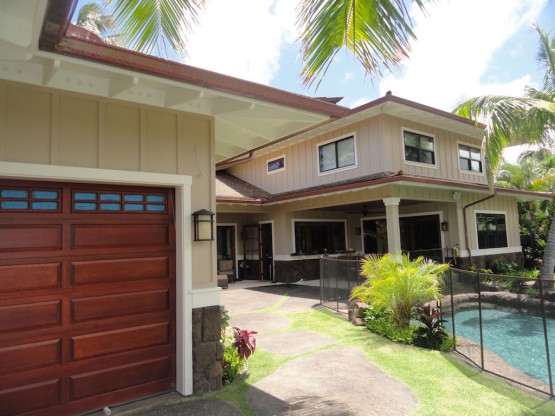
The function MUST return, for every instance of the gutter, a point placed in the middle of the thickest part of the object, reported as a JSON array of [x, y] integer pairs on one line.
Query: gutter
[[465, 224]]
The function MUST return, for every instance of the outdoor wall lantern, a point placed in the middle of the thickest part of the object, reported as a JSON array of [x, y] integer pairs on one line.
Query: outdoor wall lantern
[[444, 226], [203, 222]]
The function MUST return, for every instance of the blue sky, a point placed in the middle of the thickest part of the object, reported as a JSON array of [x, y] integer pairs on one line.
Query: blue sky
[[464, 48]]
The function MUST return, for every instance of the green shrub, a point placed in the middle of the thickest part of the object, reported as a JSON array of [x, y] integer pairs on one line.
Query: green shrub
[[379, 320], [430, 334], [399, 284], [447, 345], [232, 363]]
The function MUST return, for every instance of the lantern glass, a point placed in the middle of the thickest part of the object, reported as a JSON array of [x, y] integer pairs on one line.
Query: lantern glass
[[203, 221]]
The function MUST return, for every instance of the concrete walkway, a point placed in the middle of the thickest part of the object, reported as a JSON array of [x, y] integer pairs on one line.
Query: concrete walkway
[[333, 381]]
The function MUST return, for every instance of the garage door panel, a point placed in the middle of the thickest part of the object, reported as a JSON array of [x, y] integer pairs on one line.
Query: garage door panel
[[87, 299], [109, 235], [31, 356], [117, 270], [125, 339], [99, 307], [116, 378], [30, 315], [30, 276], [30, 397], [14, 238]]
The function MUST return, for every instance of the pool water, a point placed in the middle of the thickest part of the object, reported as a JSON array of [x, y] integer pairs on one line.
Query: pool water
[[517, 338]]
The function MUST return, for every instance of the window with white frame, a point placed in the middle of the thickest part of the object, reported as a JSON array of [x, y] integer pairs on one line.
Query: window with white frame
[[315, 237], [491, 229], [276, 165], [419, 148], [337, 154], [470, 158]]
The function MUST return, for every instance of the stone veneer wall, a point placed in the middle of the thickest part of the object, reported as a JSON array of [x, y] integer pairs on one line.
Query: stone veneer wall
[[207, 350], [294, 270]]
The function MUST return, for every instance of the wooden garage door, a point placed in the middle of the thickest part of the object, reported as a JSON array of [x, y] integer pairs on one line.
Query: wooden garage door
[[87, 299]]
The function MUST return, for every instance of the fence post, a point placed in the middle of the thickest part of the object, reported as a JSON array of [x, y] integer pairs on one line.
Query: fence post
[[480, 320], [452, 309], [546, 338]]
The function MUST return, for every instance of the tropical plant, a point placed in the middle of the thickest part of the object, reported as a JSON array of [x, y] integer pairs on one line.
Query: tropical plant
[[232, 363], [224, 321], [245, 342], [517, 120], [92, 18], [431, 333], [378, 33], [380, 321], [399, 284]]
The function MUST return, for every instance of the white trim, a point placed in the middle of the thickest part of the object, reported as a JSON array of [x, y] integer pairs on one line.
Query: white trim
[[268, 161], [419, 164], [205, 297], [492, 251], [184, 296], [482, 160], [485, 211], [337, 139], [293, 220]]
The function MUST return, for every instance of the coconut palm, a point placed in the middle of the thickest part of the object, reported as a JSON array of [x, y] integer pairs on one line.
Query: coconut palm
[[91, 17], [517, 120], [376, 32]]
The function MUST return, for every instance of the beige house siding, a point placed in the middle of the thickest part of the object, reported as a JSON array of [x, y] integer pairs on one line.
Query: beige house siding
[[379, 148], [46, 126]]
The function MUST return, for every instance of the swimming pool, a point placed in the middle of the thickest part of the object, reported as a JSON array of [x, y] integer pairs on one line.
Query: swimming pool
[[517, 338]]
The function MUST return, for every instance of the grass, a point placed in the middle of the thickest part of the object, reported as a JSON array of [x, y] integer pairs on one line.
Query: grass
[[443, 384]]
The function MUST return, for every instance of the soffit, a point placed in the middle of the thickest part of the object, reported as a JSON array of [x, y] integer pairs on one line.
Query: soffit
[[242, 122]]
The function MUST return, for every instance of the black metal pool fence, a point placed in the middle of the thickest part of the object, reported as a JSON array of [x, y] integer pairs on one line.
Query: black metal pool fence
[[338, 276], [503, 324]]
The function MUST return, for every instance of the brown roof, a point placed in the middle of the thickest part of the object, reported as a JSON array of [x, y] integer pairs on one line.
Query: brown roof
[[238, 191], [230, 188]]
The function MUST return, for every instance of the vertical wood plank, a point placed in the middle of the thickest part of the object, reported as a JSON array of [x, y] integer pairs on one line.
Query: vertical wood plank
[[55, 130], [3, 110], [101, 135]]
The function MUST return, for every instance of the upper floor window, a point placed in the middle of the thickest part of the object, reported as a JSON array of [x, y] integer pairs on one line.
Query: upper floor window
[[276, 165], [470, 158], [419, 148], [337, 154], [492, 230]]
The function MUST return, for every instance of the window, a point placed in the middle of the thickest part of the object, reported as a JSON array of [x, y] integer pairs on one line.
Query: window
[[338, 154], [25, 199], [119, 202], [275, 165], [470, 158], [492, 231], [419, 148], [319, 237]]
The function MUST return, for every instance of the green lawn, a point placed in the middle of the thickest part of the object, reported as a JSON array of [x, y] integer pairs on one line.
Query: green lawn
[[443, 384]]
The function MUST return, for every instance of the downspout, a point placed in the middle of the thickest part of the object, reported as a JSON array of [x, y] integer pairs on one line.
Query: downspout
[[246, 158], [465, 225]]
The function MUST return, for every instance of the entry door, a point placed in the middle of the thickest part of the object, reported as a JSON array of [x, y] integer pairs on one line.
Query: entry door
[[421, 236], [251, 266], [87, 296], [267, 251]]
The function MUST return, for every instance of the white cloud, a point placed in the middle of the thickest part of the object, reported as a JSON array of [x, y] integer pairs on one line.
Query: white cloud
[[243, 38], [456, 41], [347, 77], [358, 102]]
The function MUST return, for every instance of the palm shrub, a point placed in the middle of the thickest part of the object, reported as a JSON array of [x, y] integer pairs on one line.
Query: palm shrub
[[399, 284]]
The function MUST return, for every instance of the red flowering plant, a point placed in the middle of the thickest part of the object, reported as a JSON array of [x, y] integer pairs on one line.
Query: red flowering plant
[[245, 342]]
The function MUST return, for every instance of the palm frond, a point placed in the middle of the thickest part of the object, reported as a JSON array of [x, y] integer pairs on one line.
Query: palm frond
[[376, 32], [546, 58], [156, 26]]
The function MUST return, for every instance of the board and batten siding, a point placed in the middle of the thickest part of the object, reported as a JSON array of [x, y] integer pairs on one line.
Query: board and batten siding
[[39, 125], [379, 148], [498, 204]]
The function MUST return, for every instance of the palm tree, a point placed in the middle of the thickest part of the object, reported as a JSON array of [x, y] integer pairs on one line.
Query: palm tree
[[91, 17], [376, 32], [517, 120]]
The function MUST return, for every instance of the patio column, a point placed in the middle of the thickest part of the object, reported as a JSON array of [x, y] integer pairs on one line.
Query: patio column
[[393, 230]]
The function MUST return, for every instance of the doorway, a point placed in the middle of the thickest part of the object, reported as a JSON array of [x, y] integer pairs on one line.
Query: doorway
[[225, 243], [258, 259]]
